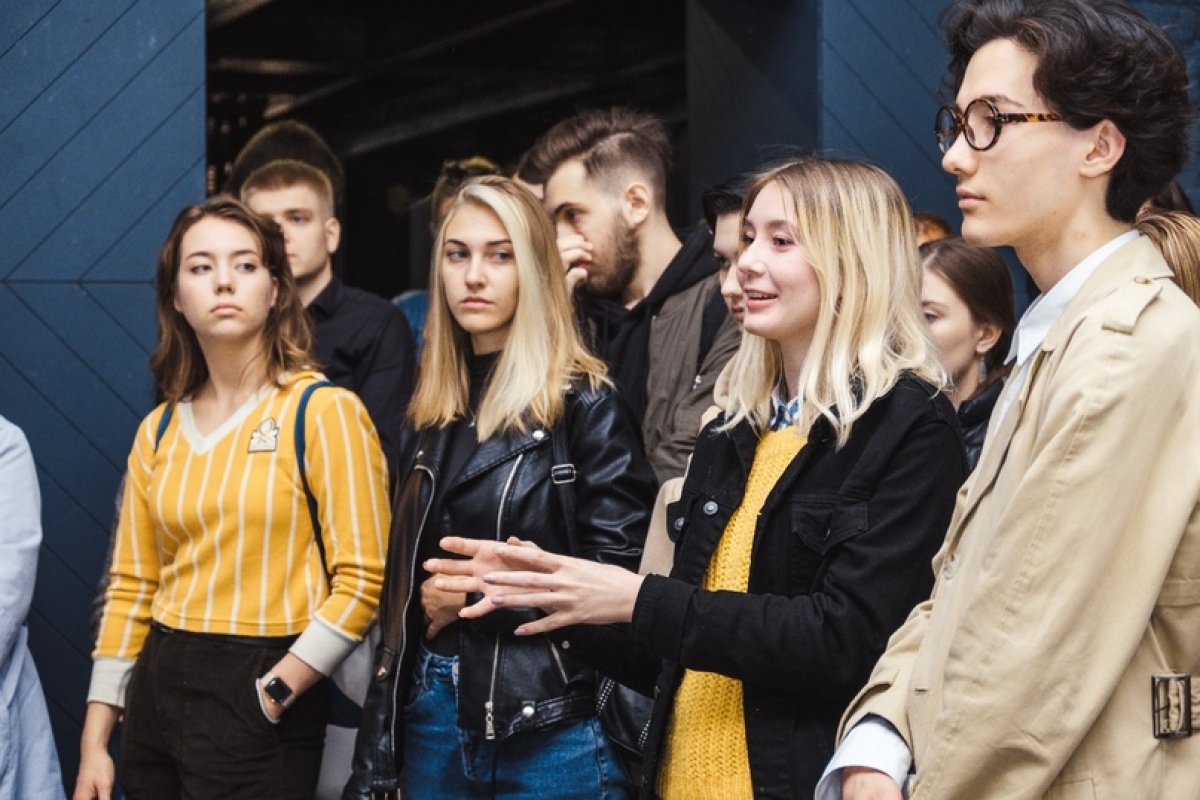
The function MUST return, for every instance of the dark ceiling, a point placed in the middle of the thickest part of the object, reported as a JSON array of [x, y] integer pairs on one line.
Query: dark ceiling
[[398, 87]]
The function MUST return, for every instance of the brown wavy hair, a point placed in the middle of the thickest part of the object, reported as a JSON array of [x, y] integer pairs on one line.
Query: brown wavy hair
[[981, 280], [178, 363]]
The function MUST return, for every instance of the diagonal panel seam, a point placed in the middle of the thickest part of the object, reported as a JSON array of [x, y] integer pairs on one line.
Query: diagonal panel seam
[[920, 149], [66, 68], [54, 332], [100, 183], [145, 213], [83, 125]]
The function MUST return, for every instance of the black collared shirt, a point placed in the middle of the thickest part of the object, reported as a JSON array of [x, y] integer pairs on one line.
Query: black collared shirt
[[363, 343]]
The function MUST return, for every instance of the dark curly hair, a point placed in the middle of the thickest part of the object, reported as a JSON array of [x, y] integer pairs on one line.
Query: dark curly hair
[[1097, 60]]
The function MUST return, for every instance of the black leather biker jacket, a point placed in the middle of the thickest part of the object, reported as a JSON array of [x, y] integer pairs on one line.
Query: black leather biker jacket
[[507, 684]]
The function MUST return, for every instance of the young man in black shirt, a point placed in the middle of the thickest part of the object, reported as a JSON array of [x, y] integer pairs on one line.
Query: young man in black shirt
[[362, 341]]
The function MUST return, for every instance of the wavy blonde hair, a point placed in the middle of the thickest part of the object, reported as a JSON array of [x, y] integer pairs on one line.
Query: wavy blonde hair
[[856, 227], [544, 353]]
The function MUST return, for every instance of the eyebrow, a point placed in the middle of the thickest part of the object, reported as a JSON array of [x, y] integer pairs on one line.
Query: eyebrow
[[486, 244], [995, 98], [206, 254]]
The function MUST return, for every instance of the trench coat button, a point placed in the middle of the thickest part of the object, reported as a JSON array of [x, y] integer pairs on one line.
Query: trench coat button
[[538, 435], [1141, 279], [527, 711], [710, 508], [679, 523], [951, 566]]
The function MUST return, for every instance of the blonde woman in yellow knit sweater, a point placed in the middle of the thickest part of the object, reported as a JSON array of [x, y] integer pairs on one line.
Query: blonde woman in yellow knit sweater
[[809, 514], [220, 618]]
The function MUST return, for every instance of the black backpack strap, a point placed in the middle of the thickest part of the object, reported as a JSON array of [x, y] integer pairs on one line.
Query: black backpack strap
[[162, 424], [563, 474], [300, 444]]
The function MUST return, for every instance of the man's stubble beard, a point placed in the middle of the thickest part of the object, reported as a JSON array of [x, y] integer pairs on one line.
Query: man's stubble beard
[[611, 282]]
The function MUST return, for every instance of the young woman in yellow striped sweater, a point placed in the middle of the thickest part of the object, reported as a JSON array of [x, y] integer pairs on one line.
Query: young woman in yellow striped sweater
[[220, 617], [809, 515]]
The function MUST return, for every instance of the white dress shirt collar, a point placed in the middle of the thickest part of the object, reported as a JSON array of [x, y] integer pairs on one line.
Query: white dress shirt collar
[[1046, 309]]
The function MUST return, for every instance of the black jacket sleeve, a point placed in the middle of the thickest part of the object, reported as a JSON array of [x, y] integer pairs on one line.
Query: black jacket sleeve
[[813, 642]]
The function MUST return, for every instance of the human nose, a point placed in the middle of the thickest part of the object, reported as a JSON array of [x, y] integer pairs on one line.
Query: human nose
[[730, 288], [748, 262], [473, 275], [959, 159], [223, 278]]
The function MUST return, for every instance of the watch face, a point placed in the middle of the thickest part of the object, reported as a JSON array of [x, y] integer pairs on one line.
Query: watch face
[[277, 690]]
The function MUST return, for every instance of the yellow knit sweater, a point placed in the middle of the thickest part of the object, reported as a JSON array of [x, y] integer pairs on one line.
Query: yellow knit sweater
[[705, 754]]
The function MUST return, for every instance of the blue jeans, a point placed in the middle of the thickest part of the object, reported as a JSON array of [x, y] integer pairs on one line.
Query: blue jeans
[[441, 761]]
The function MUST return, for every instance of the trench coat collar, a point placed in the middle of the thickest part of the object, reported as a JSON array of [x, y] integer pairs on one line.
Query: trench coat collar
[[1137, 258]]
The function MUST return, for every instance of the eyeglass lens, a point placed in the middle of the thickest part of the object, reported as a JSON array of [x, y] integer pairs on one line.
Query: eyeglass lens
[[978, 124]]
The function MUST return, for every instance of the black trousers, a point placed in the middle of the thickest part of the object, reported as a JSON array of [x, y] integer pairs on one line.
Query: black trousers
[[194, 728]]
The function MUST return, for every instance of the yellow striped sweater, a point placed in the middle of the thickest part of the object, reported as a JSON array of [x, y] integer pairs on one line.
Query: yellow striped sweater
[[215, 534]]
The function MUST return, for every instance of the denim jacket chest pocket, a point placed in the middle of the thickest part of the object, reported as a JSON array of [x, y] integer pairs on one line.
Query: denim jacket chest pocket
[[818, 526]]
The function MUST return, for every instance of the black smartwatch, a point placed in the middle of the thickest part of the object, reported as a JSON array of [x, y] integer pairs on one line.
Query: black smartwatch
[[279, 692]]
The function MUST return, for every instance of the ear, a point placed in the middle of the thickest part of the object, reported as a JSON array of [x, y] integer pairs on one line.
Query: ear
[[333, 234], [1107, 147], [636, 202], [989, 334]]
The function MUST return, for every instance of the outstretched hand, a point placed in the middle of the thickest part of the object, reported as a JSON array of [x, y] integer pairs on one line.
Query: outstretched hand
[[518, 574]]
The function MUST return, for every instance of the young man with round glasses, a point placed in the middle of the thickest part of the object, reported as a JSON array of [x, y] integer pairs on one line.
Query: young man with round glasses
[[1059, 655]]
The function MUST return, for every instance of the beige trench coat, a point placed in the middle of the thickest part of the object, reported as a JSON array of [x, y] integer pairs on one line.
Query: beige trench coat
[[1071, 571]]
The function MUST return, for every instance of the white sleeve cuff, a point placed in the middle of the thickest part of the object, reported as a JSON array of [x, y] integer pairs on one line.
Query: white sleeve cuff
[[110, 679], [322, 646], [871, 743]]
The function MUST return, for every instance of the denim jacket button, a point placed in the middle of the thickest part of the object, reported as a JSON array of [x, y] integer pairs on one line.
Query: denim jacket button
[[527, 711], [538, 435], [710, 508], [679, 523]]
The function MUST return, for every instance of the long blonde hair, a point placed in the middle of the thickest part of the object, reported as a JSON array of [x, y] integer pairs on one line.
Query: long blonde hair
[[856, 228], [543, 354]]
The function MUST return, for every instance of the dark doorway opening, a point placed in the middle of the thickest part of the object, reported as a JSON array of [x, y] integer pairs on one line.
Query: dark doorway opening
[[397, 88]]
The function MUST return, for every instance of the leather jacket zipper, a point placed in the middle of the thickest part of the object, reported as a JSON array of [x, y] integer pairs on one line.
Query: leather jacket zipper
[[412, 578], [489, 719], [557, 659]]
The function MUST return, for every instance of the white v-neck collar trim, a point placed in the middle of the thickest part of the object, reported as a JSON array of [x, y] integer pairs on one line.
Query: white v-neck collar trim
[[202, 444]]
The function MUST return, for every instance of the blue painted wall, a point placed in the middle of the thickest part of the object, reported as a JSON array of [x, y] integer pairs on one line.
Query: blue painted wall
[[853, 78], [102, 141]]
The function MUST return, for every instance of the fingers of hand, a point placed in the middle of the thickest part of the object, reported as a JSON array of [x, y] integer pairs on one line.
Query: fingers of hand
[[461, 585], [460, 545], [528, 558], [575, 276]]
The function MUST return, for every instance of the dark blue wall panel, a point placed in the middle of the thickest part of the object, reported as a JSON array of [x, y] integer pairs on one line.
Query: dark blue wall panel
[[881, 68], [1181, 18], [102, 131]]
